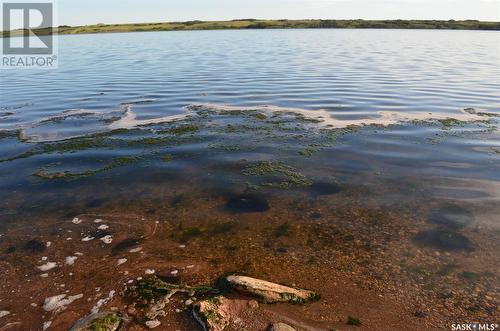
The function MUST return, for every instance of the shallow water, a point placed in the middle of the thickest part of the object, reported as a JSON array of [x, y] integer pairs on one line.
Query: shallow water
[[323, 153]]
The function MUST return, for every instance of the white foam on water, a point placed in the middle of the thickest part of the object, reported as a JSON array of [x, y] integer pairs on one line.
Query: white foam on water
[[59, 302], [102, 302], [129, 119], [325, 118]]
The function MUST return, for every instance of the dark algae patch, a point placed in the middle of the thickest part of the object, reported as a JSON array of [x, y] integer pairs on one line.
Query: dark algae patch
[[445, 239], [309, 150], [125, 244], [35, 246], [148, 290], [351, 320], [247, 203], [451, 216], [183, 129], [450, 122], [69, 175], [279, 174], [325, 188]]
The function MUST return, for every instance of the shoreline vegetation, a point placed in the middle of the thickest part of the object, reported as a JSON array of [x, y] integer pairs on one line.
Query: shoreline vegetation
[[263, 24]]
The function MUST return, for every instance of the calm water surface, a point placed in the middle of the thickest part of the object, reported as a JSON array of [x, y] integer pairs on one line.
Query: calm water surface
[[244, 153]]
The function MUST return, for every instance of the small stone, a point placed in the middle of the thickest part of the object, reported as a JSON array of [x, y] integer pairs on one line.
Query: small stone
[[88, 238], [103, 227], [281, 327], [135, 250], [76, 220], [70, 260], [188, 302], [174, 272], [4, 313], [121, 261], [107, 239], [215, 314], [153, 324], [253, 304], [47, 266], [149, 271]]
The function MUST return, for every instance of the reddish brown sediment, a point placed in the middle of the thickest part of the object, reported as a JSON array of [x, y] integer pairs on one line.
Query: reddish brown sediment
[[362, 259]]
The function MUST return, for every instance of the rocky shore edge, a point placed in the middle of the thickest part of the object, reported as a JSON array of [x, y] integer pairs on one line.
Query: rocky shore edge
[[215, 308]]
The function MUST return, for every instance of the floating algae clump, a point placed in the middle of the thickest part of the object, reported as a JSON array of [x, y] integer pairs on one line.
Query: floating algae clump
[[309, 150], [184, 129], [148, 290], [118, 162], [290, 177], [167, 157], [151, 289], [105, 321], [450, 122], [110, 322]]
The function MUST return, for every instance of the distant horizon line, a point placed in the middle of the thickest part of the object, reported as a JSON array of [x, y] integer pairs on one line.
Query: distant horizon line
[[191, 24]]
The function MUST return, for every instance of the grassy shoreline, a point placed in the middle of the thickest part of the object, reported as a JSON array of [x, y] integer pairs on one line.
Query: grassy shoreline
[[265, 24]]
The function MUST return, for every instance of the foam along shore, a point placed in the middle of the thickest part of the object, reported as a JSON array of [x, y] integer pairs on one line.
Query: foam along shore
[[125, 118], [320, 116]]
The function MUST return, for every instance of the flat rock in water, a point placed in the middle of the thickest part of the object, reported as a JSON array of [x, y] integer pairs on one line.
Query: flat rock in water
[[281, 327], [105, 321], [270, 292]]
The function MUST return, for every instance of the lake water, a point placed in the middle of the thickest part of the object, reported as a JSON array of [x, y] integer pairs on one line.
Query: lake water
[[357, 162]]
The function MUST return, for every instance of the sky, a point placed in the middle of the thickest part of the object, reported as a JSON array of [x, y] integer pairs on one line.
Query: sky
[[82, 12]]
